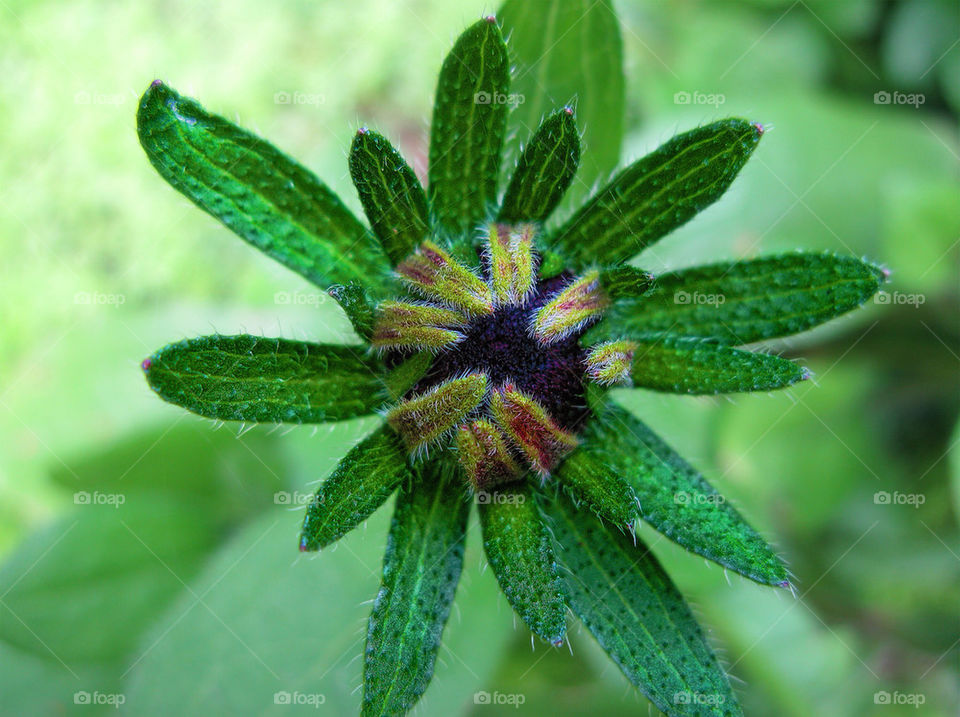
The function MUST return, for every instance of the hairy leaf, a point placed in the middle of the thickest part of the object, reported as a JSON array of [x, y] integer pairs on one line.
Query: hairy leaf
[[391, 194], [656, 194], [356, 305], [360, 484], [520, 552], [546, 168], [421, 570], [257, 191], [624, 597], [674, 498], [741, 302], [466, 135], [626, 282], [248, 378], [694, 366], [568, 53], [597, 489]]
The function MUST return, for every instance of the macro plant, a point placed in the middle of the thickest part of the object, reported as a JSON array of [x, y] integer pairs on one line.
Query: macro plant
[[489, 347]]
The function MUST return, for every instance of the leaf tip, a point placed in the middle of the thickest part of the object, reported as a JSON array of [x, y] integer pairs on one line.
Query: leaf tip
[[362, 131], [492, 19], [146, 364], [760, 129], [568, 110]]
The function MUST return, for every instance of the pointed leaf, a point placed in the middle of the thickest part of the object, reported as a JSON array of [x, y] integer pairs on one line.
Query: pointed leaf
[[466, 135], [405, 376], [624, 597], [360, 484], [658, 193], [519, 549], [257, 191], [421, 570], [596, 489], [249, 378], [391, 194], [694, 366], [546, 168], [745, 301], [674, 498], [568, 52], [356, 305]]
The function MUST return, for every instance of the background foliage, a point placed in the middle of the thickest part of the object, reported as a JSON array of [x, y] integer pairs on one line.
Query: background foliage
[[191, 593]]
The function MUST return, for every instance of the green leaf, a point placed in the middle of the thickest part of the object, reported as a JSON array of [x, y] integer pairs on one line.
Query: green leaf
[[356, 305], [656, 194], [519, 550], [675, 499], [626, 282], [248, 378], [260, 193], [88, 587], [360, 484], [391, 194], [405, 376], [741, 302], [622, 594], [265, 624], [421, 570], [695, 366], [546, 168], [568, 52], [605, 493], [466, 135]]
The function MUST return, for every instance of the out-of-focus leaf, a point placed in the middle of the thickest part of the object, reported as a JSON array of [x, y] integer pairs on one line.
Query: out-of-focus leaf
[[257, 191], [567, 52], [248, 378], [86, 588]]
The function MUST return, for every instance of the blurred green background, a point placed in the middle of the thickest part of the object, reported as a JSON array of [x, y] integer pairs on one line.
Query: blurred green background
[[150, 559]]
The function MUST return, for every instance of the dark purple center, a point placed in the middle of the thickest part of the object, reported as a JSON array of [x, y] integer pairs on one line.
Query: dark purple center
[[502, 346]]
